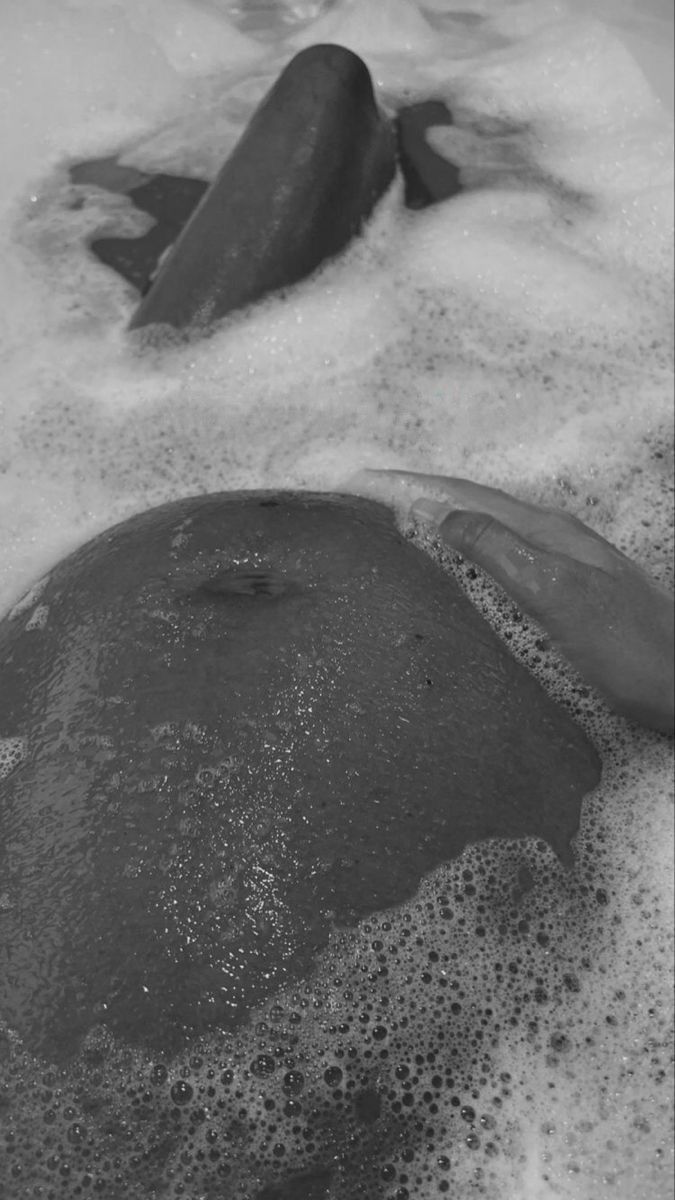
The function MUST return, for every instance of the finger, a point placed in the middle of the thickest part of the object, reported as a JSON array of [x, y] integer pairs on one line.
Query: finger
[[616, 631], [570, 600], [606, 615], [403, 487], [548, 528], [535, 578]]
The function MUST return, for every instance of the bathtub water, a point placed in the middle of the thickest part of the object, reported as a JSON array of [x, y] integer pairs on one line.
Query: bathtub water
[[520, 335]]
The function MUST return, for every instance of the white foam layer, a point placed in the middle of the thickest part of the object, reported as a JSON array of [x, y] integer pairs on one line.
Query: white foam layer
[[520, 335]]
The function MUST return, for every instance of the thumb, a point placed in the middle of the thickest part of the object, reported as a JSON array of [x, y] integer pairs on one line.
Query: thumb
[[616, 630], [536, 579]]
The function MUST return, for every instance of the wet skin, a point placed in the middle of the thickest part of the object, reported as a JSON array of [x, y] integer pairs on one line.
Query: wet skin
[[607, 616], [248, 717], [315, 157], [298, 186]]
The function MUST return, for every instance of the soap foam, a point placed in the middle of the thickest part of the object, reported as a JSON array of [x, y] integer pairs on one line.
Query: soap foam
[[12, 752], [520, 335]]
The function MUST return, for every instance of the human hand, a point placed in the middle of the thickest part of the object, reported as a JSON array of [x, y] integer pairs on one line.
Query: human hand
[[607, 616]]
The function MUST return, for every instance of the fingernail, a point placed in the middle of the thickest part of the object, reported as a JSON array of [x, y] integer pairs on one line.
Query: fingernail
[[432, 511]]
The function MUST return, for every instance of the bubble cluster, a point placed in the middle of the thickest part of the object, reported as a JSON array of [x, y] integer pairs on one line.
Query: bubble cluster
[[12, 752], [38, 618], [438, 1048], [494, 1036]]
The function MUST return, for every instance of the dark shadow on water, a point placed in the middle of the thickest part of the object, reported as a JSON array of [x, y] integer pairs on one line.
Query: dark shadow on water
[[170, 199]]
